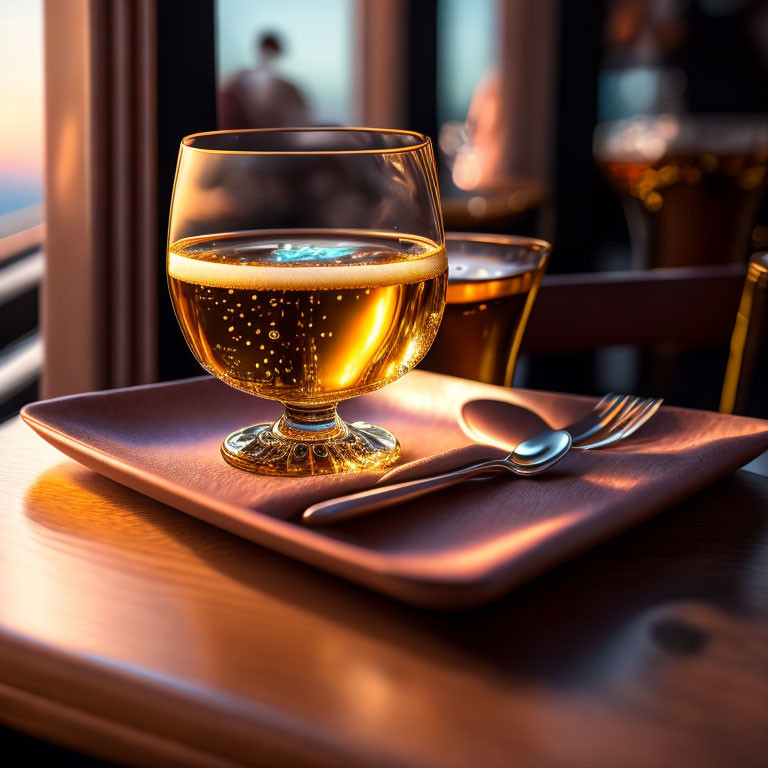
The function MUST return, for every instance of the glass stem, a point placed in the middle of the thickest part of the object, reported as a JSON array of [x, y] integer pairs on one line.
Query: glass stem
[[310, 423]]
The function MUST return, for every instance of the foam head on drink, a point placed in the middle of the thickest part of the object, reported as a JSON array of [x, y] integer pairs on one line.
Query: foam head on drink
[[308, 318]]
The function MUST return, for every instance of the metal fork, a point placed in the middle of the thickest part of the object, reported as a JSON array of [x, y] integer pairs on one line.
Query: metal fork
[[612, 419]]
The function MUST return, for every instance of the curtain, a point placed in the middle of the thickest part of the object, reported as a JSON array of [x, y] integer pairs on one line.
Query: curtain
[[100, 289]]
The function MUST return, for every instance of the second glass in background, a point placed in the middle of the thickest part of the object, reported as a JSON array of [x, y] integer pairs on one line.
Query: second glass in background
[[492, 285], [691, 184]]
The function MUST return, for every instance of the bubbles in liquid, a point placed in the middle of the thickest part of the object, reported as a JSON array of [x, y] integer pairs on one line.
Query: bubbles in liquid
[[317, 346]]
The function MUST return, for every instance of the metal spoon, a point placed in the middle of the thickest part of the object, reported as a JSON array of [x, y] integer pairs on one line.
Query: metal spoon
[[531, 457], [504, 424]]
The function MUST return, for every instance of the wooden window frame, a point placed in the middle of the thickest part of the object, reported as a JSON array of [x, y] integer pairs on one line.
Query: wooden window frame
[[117, 105]]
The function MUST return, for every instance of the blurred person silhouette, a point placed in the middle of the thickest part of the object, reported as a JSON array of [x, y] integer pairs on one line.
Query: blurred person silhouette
[[258, 97]]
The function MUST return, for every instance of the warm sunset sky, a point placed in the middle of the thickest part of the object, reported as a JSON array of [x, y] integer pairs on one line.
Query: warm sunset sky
[[21, 101]]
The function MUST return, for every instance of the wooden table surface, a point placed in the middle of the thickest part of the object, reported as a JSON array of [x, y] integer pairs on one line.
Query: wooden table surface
[[135, 633]]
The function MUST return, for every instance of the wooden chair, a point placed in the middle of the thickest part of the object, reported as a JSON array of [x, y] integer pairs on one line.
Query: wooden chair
[[668, 314], [691, 307]]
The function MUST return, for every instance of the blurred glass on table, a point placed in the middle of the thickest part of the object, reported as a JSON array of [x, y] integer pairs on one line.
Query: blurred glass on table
[[492, 285], [683, 134], [691, 184], [745, 390]]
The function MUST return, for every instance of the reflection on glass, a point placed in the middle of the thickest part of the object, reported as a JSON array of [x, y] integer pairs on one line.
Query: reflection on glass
[[691, 184], [745, 389], [307, 266], [492, 284]]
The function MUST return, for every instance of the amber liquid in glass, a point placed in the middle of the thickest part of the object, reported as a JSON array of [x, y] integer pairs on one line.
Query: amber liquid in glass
[[306, 317], [486, 309], [690, 208]]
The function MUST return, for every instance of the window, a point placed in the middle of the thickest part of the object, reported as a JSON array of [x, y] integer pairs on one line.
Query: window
[[21, 94], [21, 191], [306, 44], [466, 53]]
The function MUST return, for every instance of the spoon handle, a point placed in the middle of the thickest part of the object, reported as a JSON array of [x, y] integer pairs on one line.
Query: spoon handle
[[354, 504]]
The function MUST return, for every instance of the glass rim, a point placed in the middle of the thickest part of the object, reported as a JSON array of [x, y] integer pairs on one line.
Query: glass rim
[[691, 118], [650, 136], [421, 141], [532, 243]]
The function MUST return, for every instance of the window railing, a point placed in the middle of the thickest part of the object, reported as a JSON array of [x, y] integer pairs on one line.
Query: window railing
[[21, 231], [21, 271]]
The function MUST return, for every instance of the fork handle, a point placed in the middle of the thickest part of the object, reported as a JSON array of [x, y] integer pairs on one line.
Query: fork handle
[[355, 504]]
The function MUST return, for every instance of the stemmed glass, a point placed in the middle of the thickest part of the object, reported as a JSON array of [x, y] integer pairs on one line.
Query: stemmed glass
[[691, 184], [307, 266]]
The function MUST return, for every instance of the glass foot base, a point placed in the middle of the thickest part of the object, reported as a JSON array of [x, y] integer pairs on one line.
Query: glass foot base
[[360, 446]]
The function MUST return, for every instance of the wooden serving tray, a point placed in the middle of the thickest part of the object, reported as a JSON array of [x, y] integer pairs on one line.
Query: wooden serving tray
[[461, 547]]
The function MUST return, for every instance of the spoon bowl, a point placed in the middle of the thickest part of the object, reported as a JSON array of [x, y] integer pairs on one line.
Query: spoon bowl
[[540, 452]]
